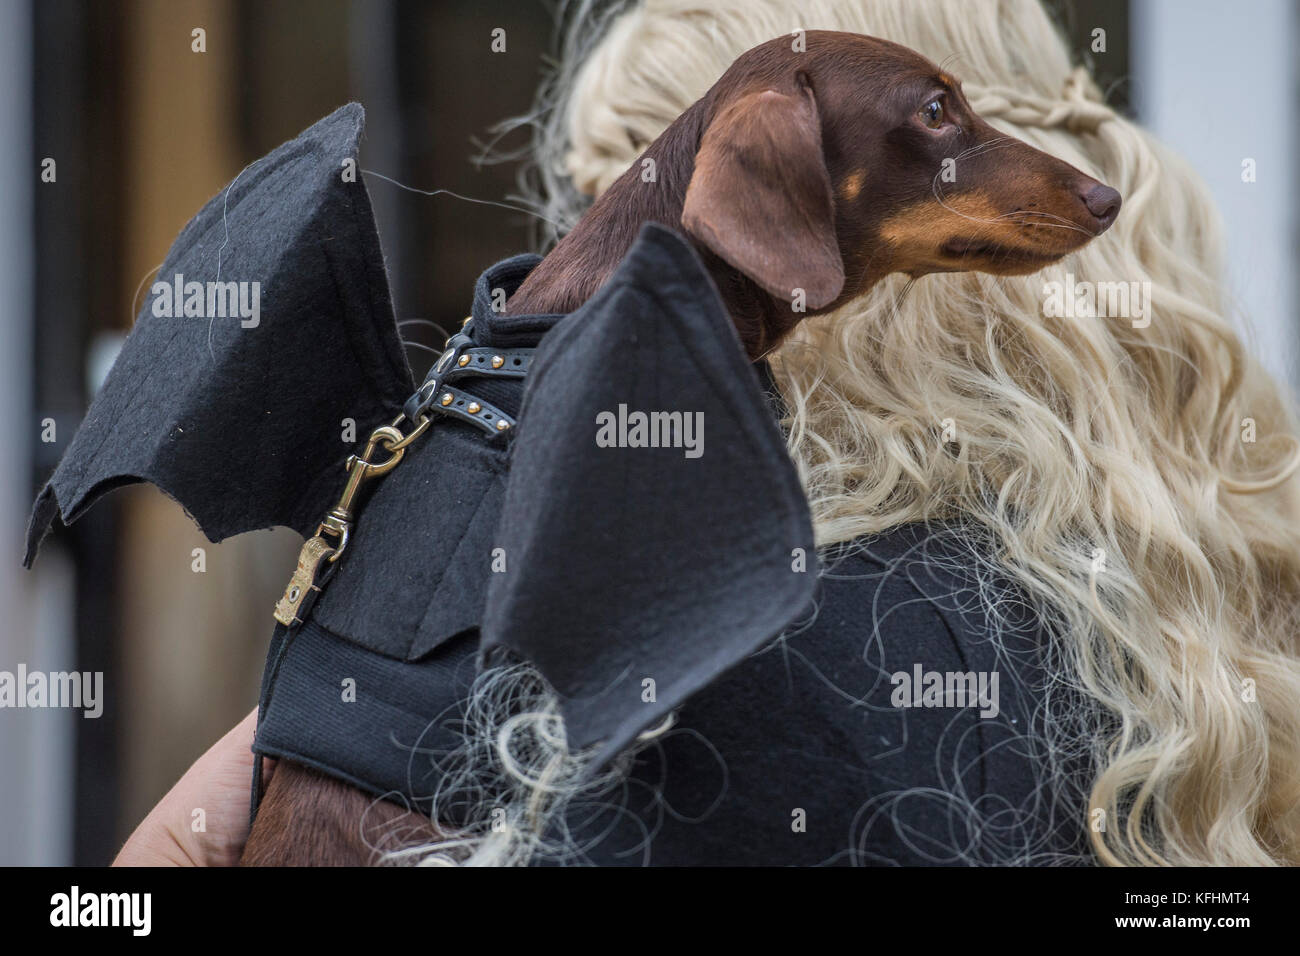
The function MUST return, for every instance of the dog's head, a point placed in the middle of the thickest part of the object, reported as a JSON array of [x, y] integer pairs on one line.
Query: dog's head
[[825, 168]]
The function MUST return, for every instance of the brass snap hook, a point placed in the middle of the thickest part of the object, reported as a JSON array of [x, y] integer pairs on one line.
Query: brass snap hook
[[338, 523]]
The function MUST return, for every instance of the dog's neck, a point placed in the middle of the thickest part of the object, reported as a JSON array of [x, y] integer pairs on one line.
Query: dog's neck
[[585, 258]]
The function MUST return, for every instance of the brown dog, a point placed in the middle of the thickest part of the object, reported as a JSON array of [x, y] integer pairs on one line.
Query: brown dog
[[803, 178], [824, 171]]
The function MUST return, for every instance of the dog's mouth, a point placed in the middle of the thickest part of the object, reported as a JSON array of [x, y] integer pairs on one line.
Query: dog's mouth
[[997, 254]]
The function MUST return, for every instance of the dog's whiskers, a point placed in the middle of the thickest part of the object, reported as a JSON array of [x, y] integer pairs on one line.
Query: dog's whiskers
[[1063, 223]]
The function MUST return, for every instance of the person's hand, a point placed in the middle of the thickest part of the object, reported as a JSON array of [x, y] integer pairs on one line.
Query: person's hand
[[174, 834]]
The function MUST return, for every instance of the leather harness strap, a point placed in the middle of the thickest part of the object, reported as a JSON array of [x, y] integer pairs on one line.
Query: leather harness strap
[[463, 360]]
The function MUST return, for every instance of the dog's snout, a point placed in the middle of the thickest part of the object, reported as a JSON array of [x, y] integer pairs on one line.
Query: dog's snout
[[1103, 203]]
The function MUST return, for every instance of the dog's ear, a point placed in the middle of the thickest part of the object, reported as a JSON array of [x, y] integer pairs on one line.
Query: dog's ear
[[761, 199]]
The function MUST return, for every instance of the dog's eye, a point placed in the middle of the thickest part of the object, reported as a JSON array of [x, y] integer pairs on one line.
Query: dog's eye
[[932, 114]]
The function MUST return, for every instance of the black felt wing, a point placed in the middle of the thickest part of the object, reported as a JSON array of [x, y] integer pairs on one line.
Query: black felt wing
[[635, 575], [232, 396]]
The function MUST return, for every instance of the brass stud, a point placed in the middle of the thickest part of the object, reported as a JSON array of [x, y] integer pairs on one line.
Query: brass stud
[[502, 425], [464, 360], [446, 398], [497, 361], [474, 408]]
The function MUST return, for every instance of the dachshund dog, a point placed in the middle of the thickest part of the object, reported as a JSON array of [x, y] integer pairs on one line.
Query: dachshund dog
[[821, 172], [803, 177]]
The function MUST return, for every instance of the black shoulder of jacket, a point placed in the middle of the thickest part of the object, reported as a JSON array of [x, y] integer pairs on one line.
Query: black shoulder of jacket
[[823, 748]]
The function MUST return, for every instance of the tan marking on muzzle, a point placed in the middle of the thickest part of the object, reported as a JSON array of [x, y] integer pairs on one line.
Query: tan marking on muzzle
[[929, 223]]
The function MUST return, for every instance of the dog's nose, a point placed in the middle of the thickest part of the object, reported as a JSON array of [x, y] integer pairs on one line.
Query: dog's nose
[[1103, 202]]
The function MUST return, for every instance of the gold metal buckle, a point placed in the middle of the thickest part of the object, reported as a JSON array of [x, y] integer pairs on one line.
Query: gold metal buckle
[[317, 550]]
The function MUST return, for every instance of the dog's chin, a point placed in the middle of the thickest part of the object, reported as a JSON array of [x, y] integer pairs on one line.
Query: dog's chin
[[982, 255]]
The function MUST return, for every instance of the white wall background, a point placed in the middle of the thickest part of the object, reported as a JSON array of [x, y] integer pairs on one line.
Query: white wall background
[[1218, 82]]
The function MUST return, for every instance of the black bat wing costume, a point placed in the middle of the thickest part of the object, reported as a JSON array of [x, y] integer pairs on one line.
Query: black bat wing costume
[[605, 494]]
